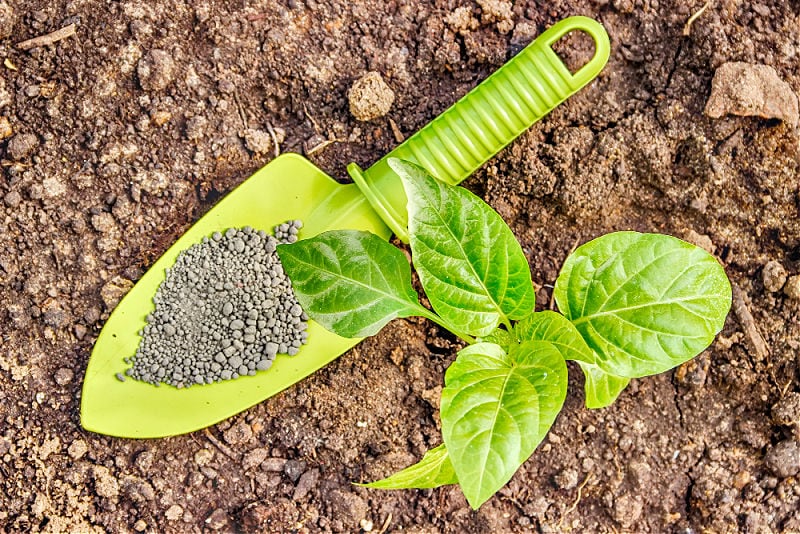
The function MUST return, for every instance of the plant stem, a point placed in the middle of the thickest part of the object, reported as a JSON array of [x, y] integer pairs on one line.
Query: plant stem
[[424, 312]]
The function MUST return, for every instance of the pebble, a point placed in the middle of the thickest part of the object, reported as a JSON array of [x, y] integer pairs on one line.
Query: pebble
[[218, 520], [751, 90], [156, 70], [293, 469], [6, 130], [63, 376], [77, 449], [273, 464], [196, 127], [203, 457], [774, 276], [12, 199], [238, 434], [174, 512], [566, 479], [254, 458], [783, 460], [104, 223], [113, 291], [370, 97], [792, 287], [22, 145], [257, 141], [307, 482]]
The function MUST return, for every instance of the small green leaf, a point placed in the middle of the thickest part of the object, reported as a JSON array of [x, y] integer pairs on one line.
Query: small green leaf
[[350, 282], [496, 408], [501, 337], [472, 268], [555, 328], [601, 388], [432, 471], [644, 303]]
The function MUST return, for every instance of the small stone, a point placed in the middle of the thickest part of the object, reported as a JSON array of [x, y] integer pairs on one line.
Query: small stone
[[174, 513], [140, 526], [370, 97], [774, 276], [254, 458], [203, 457], [750, 90], [307, 482], [160, 117], [77, 449], [741, 479], [104, 223], [218, 520], [783, 460], [63, 376], [12, 199], [238, 434], [114, 290], [22, 145], [273, 464], [5, 127], [6, 20], [137, 489], [293, 469], [156, 70], [80, 331], [792, 287], [566, 479], [257, 141]]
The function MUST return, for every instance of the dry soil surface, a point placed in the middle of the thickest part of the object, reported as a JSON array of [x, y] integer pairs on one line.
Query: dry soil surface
[[117, 138]]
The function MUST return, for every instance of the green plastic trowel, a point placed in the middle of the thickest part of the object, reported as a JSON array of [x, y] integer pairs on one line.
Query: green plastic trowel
[[451, 147]]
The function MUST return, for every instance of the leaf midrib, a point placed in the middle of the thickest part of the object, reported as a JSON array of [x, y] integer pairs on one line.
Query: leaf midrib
[[438, 214], [408, 304], [616, 311]]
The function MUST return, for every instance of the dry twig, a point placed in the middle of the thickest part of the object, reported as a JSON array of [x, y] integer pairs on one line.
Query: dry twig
[[221, 446], [742, 312], [688, 27], [398, 135], [48, 39]]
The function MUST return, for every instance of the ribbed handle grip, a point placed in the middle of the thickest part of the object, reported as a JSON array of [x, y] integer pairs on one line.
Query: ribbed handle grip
[[466, 135]]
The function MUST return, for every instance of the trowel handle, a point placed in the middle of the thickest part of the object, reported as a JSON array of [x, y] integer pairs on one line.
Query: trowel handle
[[457, 142]]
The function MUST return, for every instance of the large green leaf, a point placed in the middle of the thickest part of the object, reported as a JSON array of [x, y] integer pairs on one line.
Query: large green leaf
[[644, 303], [496, 408], [350, 282], [432, 471], [472, 268], [555, 328]]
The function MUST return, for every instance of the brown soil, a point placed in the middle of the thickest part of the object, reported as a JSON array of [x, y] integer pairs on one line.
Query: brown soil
[[125, 133]]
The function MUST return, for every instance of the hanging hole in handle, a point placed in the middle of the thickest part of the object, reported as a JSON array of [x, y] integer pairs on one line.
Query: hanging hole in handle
[[575, 49]]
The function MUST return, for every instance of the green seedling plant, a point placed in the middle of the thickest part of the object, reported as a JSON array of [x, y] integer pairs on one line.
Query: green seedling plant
[[632, 305]]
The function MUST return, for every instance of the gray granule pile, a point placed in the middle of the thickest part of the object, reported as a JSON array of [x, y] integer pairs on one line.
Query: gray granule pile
[[225, 310]]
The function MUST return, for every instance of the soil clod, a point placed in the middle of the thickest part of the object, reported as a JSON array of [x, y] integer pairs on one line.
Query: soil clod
[[370, 97]]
